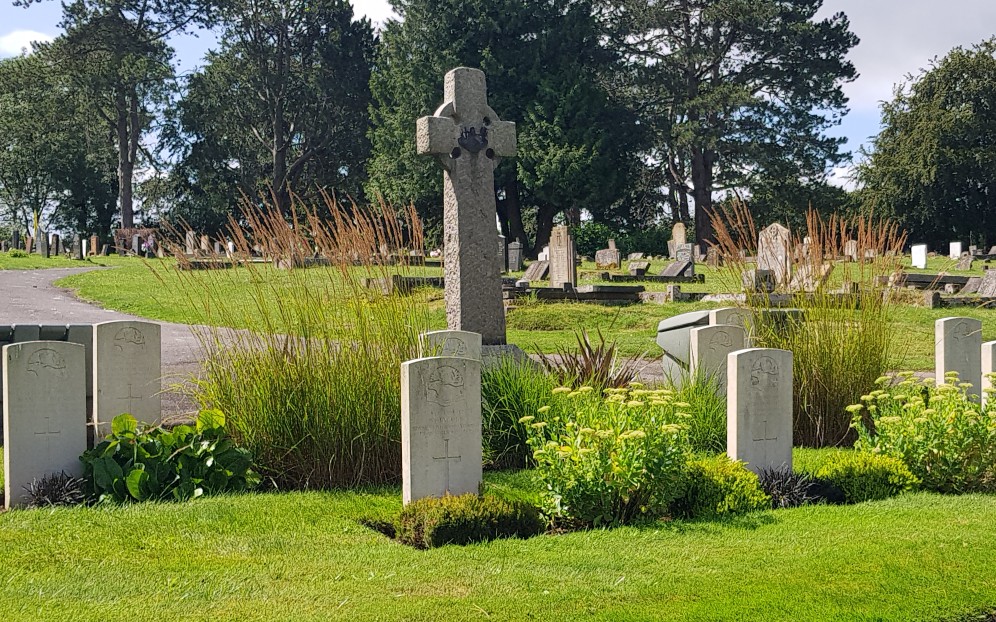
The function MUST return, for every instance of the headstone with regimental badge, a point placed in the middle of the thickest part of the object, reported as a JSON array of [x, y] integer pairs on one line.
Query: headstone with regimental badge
[[759, 408], [127, 372]]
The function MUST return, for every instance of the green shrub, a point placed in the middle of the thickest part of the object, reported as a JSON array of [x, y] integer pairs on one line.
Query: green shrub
[[717, 486], [16, 253], [609, 460], [511, 390], [943, 436], [464, 519], [707, 409], [864, 476], [135, 463]]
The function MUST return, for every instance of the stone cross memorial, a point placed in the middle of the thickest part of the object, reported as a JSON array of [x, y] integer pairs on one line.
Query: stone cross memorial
[[126, 372], [451, 343], [709, 348], [468, 139], [440, 427], [759, 408], [958, 348], [44, 413]]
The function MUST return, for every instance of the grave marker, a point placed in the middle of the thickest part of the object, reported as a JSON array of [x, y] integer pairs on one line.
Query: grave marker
[[957, 347], [710, 346], [189, 240], [988, 369], [987, 287], [440, 427], [919, 255], [450, 343], [563, 267], [536, 271], [468, 138], [515, 256], [44, 411], [773, 252], [759, 408], [127, 368], [954, 250]]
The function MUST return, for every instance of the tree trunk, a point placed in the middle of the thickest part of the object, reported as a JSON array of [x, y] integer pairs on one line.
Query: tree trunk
[[544, 225], [126, 167], [513, 212], [702, 163]]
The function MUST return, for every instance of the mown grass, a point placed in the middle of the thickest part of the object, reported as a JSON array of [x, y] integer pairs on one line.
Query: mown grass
[[304, 556], [37, 262]]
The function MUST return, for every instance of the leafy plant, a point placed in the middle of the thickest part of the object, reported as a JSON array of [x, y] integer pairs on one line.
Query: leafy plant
[[16, 253], [864, 476], [942, 435], [136, 463], [789, 489], [706, 408], [464, 519], [54, 490], [511, 390], [609, 460], [717, 486], [591, 364]]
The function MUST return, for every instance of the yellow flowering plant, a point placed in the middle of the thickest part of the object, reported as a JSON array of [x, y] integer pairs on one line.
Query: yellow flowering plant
[[609, 458], [942, 434]]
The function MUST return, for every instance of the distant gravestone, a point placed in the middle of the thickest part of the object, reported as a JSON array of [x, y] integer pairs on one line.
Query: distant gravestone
[[954, 250], [684, 252], [536, 271], [987, 288], [638, 268], [15, 239], [136, 244], [678, 237], [205, 244], [515, 258], [78, 251], [44, 413], [43, 244], [450, 343], [127, 372], [758, 281], [679, 269], [957, 347], [468, 139], [608, 259], [851, 250], [964, 262], [730, 315], [502, 254], [544, 255], [919, 254], [712, 257], [563, 269], [634, 257], [4, 246], [988, 369], [774, 252], [189, 241], [94, 244], [710, 346], [440, 427], [759, 408]]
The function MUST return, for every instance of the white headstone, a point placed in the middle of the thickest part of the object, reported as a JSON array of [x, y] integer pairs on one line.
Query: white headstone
[[710, 346], [44, 413], [955, 250], [759, 408], [919, 252], [451, 343], [957, 347], [988, 368], [440, 427], [730, 315], [127, 368]]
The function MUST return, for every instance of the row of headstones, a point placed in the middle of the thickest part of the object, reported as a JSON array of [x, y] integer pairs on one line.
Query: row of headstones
[[441, 426], [48, 245], [48, 374], [191, 247]]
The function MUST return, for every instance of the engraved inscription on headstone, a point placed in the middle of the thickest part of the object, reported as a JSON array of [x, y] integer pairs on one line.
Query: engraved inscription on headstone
[[450, 343], [710, 345]]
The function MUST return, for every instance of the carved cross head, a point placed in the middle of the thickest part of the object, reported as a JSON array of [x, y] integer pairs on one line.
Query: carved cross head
[[465, 126]]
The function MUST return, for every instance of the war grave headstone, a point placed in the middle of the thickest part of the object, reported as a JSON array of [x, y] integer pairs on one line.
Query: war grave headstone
[[127, 372], [773, 252], [467, 138], [759, 408], [954, 250], [563, 268], [730, 315], [536, 271], [957, 347], [710, 346], [515, 256], [919, 256], [988, 368], [43, 413], [440, 427], [450, 343]]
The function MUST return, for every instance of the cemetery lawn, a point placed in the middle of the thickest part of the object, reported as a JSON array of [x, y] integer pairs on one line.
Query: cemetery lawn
[[37, 262], [304, 556]]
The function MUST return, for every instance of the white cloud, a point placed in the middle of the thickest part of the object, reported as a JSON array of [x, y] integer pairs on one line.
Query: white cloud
[[14, 43], [377, 10]]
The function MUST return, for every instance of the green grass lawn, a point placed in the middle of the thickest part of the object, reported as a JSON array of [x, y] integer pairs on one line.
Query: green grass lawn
[[304, 556], [37, 262]]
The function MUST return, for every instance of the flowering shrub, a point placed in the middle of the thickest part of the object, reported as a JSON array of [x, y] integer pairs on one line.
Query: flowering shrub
[[864, 476], [945, 438], [608, 459], [716, 486]]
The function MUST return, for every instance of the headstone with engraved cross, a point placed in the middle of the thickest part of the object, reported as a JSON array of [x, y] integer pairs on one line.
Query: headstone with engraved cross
[[127, 372], [759, 408], [440, 427], [468, 139], [44, 413]]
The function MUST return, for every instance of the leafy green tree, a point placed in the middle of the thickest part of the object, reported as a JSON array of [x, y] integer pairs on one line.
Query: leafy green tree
[[734, 92], [933, 166], [543, 60], [281, 105]]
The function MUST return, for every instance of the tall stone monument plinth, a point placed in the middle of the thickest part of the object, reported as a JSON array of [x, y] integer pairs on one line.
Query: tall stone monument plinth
[[468, 139]]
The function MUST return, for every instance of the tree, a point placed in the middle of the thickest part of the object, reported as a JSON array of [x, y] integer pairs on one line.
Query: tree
[[734, 92], [543, 60], [283, 104], [933, 166]]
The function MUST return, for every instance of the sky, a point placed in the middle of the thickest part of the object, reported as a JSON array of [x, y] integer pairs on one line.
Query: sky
[[898, 38]]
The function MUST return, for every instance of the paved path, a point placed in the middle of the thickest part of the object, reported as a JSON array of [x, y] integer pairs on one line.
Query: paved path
[[29, 297]]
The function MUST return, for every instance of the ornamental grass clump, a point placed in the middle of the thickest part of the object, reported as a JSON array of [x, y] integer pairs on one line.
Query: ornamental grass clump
[[510, 390], [939, 431], [307, 371], [609, 459]]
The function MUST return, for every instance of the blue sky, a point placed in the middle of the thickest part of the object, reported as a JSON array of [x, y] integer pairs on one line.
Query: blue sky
[[898, 37]]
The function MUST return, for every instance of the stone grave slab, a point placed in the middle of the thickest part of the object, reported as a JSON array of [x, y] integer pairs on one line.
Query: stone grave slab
[[957, 347], [44, 413], [450, 343], [679, 268], [127, 372], [638, 268], [759, 408], [563, 267], [608, 259], [440, 427], [972, 286], [710, 346], [536, 271], [987, 287]]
